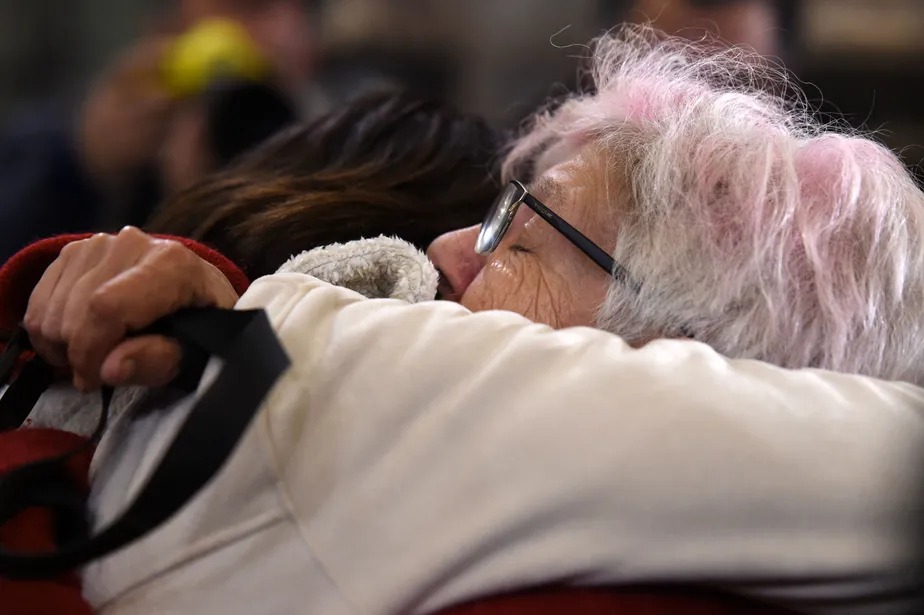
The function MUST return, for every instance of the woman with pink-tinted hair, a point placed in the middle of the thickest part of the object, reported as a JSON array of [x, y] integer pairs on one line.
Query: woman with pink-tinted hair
[[686, 348]]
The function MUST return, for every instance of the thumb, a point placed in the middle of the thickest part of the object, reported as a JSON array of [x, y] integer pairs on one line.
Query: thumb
[[149, 360]]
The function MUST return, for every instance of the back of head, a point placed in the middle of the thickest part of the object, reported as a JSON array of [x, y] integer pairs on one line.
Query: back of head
[[387, 163], [749, 225]]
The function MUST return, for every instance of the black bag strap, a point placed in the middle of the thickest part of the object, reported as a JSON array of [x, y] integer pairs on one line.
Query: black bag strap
[[20, 397], [253, 361]]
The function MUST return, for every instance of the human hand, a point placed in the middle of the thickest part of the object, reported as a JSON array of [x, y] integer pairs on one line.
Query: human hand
[[125, 116], [104, 287]]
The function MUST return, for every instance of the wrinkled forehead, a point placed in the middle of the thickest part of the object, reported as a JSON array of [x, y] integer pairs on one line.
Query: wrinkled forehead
[[550, 188], [579, 186]]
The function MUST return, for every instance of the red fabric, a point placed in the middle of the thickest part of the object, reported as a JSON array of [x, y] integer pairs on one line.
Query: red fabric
[[32, 530]]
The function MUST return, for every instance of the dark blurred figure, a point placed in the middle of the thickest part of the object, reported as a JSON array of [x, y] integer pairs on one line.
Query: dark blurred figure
[[384, 164], [209, 131], [767, 26], [132, 142]]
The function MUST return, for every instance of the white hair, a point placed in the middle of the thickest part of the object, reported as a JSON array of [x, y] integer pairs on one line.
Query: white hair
[[747, 223]]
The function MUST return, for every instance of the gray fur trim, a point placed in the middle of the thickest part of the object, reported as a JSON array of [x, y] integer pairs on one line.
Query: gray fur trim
[[384, 267]]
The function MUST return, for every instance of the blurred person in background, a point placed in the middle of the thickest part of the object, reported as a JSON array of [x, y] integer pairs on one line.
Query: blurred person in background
[[766, 26], [136, 137], [282, 28], [495, 58]]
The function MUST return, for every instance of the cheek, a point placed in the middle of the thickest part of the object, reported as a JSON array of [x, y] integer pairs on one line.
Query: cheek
[[503, 284], [520, 284]]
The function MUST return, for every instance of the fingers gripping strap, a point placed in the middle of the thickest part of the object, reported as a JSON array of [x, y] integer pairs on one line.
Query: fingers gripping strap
[[253, 361]]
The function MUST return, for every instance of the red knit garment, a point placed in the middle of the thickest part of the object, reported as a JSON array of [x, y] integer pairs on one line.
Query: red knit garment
[[32, 530]]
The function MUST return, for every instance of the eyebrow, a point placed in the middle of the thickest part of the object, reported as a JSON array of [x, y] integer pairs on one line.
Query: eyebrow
[[546, 189]]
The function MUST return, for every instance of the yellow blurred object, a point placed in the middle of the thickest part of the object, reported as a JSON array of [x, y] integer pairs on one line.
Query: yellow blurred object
[[213, 49]]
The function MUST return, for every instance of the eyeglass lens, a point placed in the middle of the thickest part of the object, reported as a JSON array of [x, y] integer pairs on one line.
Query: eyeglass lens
[[498, 219]]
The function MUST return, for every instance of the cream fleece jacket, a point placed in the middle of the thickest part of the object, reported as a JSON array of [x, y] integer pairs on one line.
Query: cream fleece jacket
[[416, 455], [381, 267]]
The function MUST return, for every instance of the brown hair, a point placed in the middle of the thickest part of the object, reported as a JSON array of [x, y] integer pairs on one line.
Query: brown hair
[[386, 164]]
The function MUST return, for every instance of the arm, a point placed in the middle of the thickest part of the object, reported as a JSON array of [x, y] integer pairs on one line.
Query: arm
[[432, 454], [35, 529], [20, 274]]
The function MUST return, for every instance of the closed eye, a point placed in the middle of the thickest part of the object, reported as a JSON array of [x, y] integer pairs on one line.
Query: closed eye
[[516, 247]]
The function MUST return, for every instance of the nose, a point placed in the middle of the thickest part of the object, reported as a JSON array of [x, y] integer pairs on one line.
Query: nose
[[454, 256]]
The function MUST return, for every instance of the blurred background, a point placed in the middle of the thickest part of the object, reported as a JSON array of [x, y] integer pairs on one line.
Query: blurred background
[[74, 102]]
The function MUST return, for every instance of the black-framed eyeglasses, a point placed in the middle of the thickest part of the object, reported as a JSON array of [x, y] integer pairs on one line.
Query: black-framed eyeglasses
[[499, 217]]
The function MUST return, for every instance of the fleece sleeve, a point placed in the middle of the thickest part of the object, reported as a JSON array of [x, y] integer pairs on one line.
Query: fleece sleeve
[[432, 455]]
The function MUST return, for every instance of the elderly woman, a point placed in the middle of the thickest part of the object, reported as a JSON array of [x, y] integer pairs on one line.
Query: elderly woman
[[547, 429]]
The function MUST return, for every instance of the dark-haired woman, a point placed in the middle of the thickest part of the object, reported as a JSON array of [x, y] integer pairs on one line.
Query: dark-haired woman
[[386, 164]]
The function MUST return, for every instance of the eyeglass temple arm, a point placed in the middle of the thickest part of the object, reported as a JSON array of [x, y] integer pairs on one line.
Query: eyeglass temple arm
[[585, 245]]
